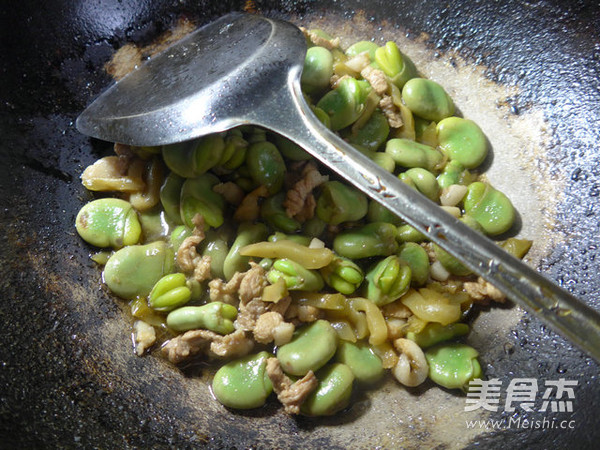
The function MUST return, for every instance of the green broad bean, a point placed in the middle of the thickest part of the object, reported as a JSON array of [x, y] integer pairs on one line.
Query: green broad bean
[[333, 392], [450, 263], [317, 71], [256, 135], [214, 316], [339, 203], [454, 173], [395, 64], [247, 184], [234, 153], [266, 166], [248, 233], [417, 259], [178, 235], [169, 292], [373, 133], [296, 277], [191, 158], [179, 158], [230, 139], [290, 149], [108, 222], [344, 104], [427, 99], [387, 281], [434, 333], [266, 263], [373, 239], [379, 213], [310, 349], [198, 197], [383, 160], [360, 47], [243, 383], [408, 233], [423, 181], [297, 238], [409, 154], [314, 227], [273, 212], [453, 365], [362, 361], [216, 245], [170, 197], [489, 207], [343, 275], [132, 271], [462, 140], [208, 153], [322, 116]]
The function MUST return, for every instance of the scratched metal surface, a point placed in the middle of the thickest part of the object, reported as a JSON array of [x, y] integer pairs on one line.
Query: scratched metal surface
[[530, 75]]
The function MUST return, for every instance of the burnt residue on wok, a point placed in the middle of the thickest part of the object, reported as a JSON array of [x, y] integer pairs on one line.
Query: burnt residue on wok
[[69, 377]]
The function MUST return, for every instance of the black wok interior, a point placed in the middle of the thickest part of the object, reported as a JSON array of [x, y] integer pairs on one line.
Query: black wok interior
[[59, 389]]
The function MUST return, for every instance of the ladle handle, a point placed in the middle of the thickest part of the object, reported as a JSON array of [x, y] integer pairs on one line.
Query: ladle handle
[[557, 308]]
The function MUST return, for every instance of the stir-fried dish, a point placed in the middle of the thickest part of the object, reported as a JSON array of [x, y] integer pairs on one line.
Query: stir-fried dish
[[240, 249]]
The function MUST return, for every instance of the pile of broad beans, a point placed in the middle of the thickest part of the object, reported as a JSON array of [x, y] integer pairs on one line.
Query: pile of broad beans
[[375, 294]]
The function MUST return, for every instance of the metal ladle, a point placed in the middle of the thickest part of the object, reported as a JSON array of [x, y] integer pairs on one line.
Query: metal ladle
[[245, 69]]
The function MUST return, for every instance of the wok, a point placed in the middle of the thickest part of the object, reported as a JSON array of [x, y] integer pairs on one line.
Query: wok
[[527, 72]]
